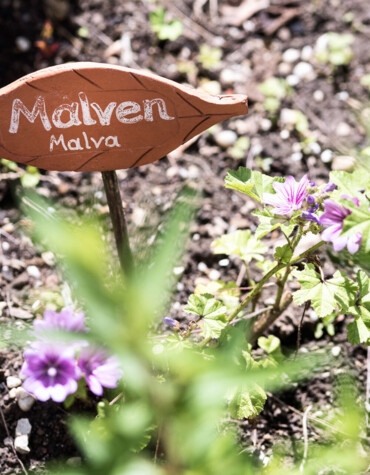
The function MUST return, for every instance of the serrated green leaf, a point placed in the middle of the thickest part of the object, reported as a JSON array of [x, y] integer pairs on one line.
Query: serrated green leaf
[[283, 253], [213, 326], [269, 222], [358, 222], [205, 306], [249, 182], [350, 183], [228, 293], [240, 243], [247, 403], [325, 296], [361, 303], [358, 332]]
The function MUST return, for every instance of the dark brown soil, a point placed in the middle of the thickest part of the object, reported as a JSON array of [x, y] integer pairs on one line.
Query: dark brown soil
[[148, 191]]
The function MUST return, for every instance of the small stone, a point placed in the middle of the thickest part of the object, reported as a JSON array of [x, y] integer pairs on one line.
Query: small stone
[[327, 156], [23, 427], [211, 87], [318, 95], [291, 55], [172, 172], [21, 444], [266, 124], [306, 53], [230, 76], [196, 237], [25, 400], [23, 44], [33, 271], [49, 258], [303, 70], [178, 270], [20, 313], [13, 393], [226, 138], [223, 262], [180, 286], [285, 69], [214, 274], [13, 382], [285, 134], [313, 316], [343, 96], [296, 156], [314, 148], [138, 216], [8, 441], [343, 129], [343, 162], [202, 267], [335, 351], [292, 80], [193, 172]]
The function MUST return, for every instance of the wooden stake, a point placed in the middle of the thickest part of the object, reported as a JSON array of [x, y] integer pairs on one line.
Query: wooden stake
[[118, 221]]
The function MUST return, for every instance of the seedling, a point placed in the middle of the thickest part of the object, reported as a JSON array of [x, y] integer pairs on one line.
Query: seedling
[[165, 30], [335, 48], [274, 90], [209, 58]]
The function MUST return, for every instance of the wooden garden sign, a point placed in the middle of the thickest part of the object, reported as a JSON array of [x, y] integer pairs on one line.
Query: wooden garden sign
[[98, 117]]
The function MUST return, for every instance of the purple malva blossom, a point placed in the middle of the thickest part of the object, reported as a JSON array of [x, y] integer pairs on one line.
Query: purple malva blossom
[[170, 322], [310, 199], [50, 372], [333, 217], [65, 320], [99, 369], [289, 195], [310, 215], [329, 187]]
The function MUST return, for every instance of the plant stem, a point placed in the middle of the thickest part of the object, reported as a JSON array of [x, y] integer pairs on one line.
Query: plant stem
[[118, 221]]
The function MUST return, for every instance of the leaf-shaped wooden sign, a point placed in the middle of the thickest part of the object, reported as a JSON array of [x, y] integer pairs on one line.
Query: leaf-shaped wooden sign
[[97, 117]]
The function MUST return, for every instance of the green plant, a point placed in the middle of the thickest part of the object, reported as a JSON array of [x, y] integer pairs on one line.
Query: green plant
[[209, 57], [274, 90], [335, 48], [164, 29]]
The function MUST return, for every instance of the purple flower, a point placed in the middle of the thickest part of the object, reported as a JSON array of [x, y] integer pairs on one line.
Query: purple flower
[[333, 217], [50, 372], [289, 195], [65, 320], [170, 322], [329, 187], [99, 369], [310, 199], [310, 215]]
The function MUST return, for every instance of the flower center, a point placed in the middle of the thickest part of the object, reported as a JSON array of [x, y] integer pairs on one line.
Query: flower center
[[52, 371]]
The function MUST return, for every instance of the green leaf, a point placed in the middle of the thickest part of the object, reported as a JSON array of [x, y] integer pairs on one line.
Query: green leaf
[[269, 222], [358, 332], [247, 403], [283, 253], [358, 222], [251, 183], [240, 243], [165, 30], [30, 178], [213, 326], [209, 57], [228, 293], [271, 345], [205, 306], [350, 183], [275, 87], [325, 296]]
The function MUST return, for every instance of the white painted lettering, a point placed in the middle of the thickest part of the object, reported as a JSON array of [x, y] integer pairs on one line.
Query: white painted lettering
[[60, 141], [74, 144], [38, 109], [128, 108], [113, 141], [72, 110], [97, 143], [148, 109], [86, 140], [86, 116], [104, 117]]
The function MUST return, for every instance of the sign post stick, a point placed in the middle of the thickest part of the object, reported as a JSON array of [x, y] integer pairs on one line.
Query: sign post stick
[[118, 221]]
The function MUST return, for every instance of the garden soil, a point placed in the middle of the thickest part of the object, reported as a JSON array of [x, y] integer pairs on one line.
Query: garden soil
[[36, 34]]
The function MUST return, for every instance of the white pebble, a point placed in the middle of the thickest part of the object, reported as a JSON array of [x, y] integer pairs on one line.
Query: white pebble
[[25, 400], [178, 270], [21, 444], [343, 129], [303, 70], [5, 246], [214, 274], [180, 286], [335, 351], [226, 138], [291, 55], [292, 80], [343, 95], [266, 124], [33, 271], [223, 262], [327, 156], [8, 441], [202, 267], [315, 148], [23, 427], [13, 382], [296, 156], [318, 95], [343, 162], [196, 237], [256, 149], [306, 53], [13, 393], [23, 44], [285, 134], [313, 316]]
